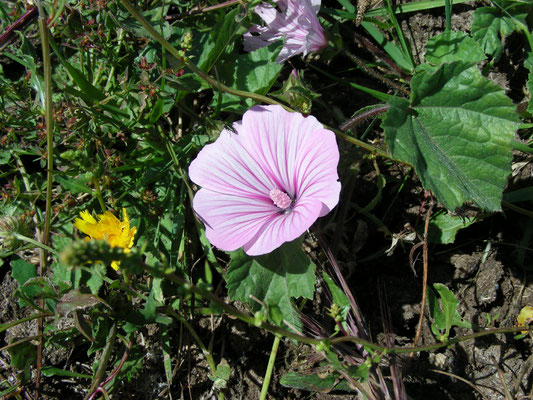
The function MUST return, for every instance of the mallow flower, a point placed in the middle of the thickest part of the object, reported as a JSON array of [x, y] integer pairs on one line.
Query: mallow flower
[[266, 181], [297, 22]]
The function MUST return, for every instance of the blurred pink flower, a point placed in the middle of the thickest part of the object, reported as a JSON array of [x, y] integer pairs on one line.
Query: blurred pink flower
[[297, 21], [267, 182]]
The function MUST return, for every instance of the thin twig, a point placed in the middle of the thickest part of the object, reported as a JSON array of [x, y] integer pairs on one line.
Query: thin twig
[[424, 279], [48, 117], [349, 124], [200, 10], [375, 74], [378, 53], [461, 379]]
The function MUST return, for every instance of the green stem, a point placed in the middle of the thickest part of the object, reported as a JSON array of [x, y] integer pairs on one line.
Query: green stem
[[270, 368], [207, 354], [104, 360], [48, 116], [304, 339], [187, 63], [11, 324], [30, 240], [448, 12], [98, 193]]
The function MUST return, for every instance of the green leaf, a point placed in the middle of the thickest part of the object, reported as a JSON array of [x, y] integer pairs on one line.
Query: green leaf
[[222, 374], [53, 371], [22, 271], [522, 194], [490, 25], [75, 300], [443, 227], [253, 72], [23, 355], [453, 46], [338, 296], [445, 314], [457, 132], [274, 278], [529, 65], [222, 35], [75, 184], [315, 382], [394, 51]]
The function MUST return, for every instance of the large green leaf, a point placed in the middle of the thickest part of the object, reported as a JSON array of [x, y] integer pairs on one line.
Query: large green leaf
[[453, 46], [456, 131], [273, 279]]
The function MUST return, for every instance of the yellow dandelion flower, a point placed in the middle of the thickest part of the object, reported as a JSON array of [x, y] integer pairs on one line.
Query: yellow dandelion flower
[[109, 228]]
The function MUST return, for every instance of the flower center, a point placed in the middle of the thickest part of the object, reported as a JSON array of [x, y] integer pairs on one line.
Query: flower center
[[280, 199]]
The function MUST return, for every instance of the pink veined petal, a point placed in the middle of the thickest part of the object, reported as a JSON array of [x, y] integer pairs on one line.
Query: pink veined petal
[[316, 173], [297, 23], [297, 153], [232, 221], [284, 228], [226, 166], [246, 177]]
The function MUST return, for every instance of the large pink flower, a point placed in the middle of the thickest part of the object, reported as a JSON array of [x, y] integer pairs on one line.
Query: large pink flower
[[267, 182], [297, 21]]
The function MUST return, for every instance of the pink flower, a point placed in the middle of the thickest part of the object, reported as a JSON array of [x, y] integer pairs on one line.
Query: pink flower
[[297, 21], [267, 182]]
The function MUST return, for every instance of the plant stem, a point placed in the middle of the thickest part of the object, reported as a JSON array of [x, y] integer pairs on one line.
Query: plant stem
[[98, 193], [376, 74], [187, 63], [448, 12], [48, 117], [31, 241], [270, 368], [312, 341], [11, 324], [104, 360]]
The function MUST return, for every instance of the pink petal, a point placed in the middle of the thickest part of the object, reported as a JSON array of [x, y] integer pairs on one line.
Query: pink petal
[[284, 228], [297, 24], [296, 152], [244, 175], [232, 221], [226, 166]]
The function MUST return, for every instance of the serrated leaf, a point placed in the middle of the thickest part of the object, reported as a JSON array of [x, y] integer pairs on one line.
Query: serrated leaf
[[456, 131], [274, 278], [453, 46], [443, 227]]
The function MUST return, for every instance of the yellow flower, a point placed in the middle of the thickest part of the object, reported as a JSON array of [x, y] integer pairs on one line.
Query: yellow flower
[[108, 228]]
